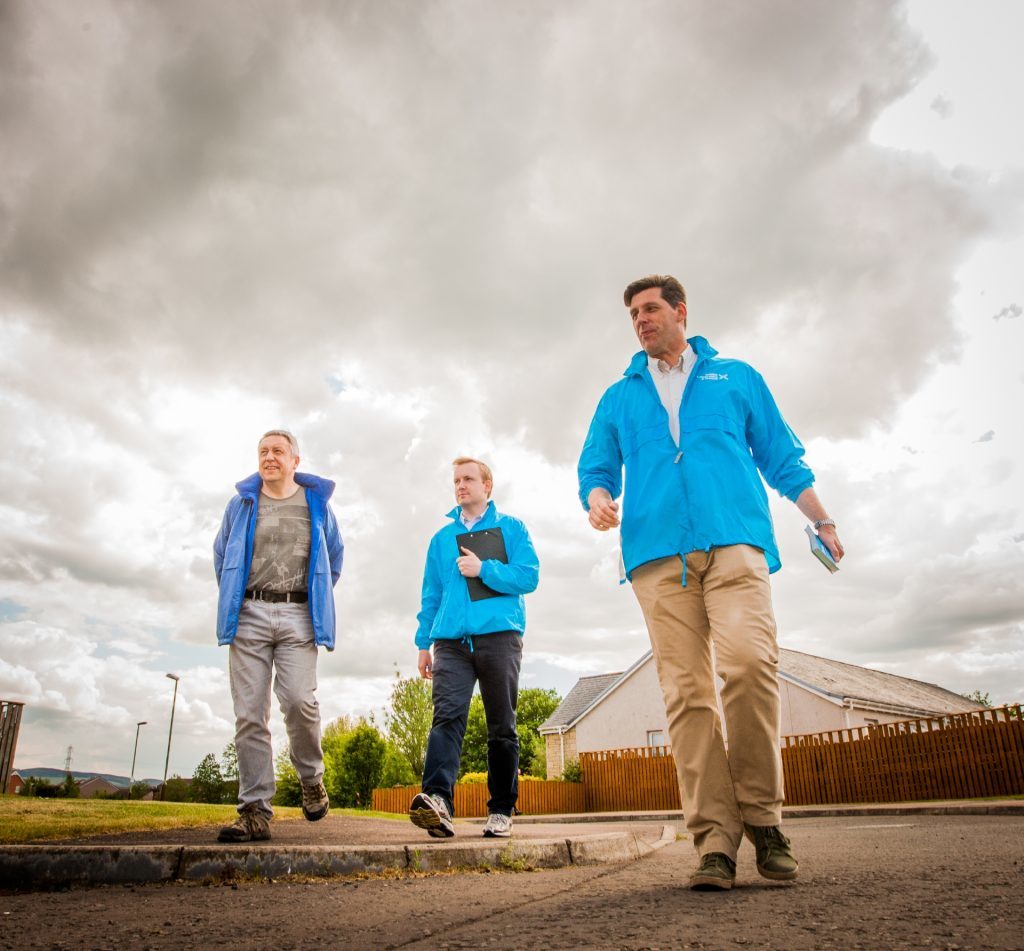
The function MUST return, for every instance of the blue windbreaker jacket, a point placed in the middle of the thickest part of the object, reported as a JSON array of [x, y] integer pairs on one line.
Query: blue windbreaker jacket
[[232, 555], [446, 612], [706, 492]]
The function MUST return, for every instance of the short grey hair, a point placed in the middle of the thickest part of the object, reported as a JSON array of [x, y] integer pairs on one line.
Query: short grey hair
[[292, 441]]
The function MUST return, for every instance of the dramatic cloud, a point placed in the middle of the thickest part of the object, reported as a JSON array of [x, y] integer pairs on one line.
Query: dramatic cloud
[[402, 230]]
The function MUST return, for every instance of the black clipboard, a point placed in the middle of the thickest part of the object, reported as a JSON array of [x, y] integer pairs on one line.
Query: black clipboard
[[485, 543]]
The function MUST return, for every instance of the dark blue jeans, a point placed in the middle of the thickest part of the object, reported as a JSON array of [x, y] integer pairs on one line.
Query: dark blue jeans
[[494, 661]]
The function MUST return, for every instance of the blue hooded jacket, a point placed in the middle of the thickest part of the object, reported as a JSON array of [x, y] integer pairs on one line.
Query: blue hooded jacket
[[232, 555], [446, 612], [705, 492]]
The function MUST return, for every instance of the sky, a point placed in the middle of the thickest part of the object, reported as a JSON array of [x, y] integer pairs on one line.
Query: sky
[[402, 230]]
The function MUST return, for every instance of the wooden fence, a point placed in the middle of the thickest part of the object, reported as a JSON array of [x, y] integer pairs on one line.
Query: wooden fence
[[631, 780], [955, 757], [536, 798], [960, 756]]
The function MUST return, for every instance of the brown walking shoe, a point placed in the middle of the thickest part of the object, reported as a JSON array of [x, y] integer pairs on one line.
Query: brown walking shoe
[[252, 825], [314, 801], [775, 858], [716, 873]]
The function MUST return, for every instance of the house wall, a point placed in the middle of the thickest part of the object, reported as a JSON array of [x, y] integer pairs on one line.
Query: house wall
[[89, 787], [623, 718], [804, 711], [555, 745]]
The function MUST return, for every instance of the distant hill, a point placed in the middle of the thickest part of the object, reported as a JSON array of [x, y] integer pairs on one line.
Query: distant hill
[[56, 776]]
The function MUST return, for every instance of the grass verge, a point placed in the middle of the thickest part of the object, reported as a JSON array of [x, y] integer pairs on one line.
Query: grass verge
[[28, 819]]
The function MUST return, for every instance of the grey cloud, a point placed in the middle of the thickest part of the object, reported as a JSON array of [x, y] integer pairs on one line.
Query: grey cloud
[[1009, 312], [362, 221], [942, 107], [504, 197], [986, 436]]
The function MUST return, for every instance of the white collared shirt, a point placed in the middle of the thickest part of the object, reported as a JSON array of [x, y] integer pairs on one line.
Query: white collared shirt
[[470, 520], [670, 383]]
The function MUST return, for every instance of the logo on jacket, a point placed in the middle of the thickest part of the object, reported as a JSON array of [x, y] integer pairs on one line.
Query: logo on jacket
[[714, 376]]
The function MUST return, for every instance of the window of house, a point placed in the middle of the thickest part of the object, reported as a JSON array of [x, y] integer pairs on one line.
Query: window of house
[[655, 737]]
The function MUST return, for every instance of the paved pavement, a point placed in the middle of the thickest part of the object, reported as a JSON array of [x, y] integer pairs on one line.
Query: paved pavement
[[899, 881], [346, 845]]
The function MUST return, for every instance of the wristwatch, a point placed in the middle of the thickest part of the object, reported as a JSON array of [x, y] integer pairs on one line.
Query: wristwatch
[[822, 522]]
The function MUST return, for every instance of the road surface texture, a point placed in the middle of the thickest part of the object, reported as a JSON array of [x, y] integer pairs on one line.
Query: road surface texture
[[871, 882]]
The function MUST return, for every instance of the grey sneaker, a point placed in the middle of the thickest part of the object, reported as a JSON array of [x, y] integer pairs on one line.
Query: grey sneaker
[[775, 857], [431, 813], [252, 825], [314, 801], [498, 826], [716, 873]]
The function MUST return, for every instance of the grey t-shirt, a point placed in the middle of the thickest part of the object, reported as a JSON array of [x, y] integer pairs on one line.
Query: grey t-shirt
[[280, 552]]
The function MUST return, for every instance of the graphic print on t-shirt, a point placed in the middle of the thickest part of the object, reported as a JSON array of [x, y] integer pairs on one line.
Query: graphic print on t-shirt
[[280, 553]]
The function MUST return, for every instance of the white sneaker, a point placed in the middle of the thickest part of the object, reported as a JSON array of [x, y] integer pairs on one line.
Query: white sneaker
[[431, 813], [498, 826]]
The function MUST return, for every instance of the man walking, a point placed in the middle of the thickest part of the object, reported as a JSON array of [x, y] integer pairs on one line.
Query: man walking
[[693, 430], [277, 557], [478, 568]]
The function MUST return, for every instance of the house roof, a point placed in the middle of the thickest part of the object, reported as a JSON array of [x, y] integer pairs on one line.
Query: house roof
[[583, 696], [871, 689], [861, 687]]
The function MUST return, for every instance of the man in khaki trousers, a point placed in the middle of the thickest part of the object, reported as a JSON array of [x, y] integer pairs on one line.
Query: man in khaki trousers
[[695, 432]]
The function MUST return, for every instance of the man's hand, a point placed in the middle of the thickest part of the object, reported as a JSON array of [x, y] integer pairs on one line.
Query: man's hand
[[831, 541], [426, 665], [604, 513], [469, 564], [811, 508]]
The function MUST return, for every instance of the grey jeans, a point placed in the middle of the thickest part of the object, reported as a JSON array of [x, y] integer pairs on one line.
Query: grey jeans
[[274, 643]]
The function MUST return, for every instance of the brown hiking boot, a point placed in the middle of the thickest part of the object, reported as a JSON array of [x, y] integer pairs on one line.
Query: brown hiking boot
[[716, 873], [314, 801], [775, 858], [252, 825]]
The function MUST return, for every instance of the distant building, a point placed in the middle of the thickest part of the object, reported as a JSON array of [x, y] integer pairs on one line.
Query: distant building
[[88, 788], [15, 784], [626, 709]]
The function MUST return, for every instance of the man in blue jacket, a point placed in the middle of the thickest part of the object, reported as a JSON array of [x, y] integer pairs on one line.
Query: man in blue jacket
[[693, 431], [472, 612], [277, 558]]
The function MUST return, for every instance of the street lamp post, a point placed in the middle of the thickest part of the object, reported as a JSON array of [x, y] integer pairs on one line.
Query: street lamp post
[[135, 752], [170, 730]]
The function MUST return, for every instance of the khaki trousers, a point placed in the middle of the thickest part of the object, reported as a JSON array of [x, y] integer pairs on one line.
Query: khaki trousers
[[727, 601]]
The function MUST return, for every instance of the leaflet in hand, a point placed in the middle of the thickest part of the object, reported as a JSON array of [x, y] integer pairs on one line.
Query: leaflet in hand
[[819, 550]]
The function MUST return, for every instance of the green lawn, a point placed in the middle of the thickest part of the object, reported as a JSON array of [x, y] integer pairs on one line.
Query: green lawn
[[28, 819]]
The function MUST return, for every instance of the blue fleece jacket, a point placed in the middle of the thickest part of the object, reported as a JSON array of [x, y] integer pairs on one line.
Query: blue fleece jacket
[[446, 612], [705, 492], [232, 555]]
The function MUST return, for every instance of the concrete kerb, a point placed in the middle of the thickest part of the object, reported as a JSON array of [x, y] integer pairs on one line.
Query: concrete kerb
[[29, 867]]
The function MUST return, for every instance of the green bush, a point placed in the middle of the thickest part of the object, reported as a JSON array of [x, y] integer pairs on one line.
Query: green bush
[[358, 767], [572, 773]]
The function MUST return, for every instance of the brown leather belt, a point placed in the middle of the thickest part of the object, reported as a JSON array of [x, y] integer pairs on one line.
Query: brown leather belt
[[275, 597]]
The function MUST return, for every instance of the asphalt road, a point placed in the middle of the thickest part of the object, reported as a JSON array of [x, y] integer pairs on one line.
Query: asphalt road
[[945, 882]]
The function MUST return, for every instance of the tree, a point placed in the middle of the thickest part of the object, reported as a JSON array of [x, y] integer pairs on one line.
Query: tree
[[207, 781], [980, 698], [69, 788], [177, 789], [397, 771], [474, 743], [229, 769], [138, 790], [408, 719], [534, 707], [229, 762], [358, 767], [289, 789]]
